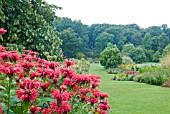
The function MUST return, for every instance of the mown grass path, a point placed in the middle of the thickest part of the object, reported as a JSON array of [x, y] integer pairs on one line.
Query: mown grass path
[[128, 97]]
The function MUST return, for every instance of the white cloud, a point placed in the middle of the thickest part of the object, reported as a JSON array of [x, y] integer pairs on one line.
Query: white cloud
[[142, 12]]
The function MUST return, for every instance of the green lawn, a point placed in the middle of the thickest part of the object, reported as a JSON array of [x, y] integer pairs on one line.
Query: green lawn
[[127, 97]]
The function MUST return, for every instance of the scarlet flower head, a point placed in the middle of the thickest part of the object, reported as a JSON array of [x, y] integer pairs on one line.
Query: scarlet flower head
[[104, 106], [45, 86], [2, 31], [9, 70], [47, 111], [28, 94], [34, 109], [68, 63]]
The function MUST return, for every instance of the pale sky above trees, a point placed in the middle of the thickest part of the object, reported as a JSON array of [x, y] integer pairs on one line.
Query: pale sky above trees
[[142, 12]]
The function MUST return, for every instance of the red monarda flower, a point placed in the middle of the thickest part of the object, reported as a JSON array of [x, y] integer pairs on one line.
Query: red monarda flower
[[104, 105], [27, 94], [28, 89], [34, 74], [68, 63], [9, 70], [53, 65], [65, 107], [45, 86], [63, 96], [2, 31], [34, 109], [47, 111]]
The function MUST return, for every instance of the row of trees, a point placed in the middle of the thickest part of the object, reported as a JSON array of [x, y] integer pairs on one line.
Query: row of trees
[[138, 43], [32, 24]]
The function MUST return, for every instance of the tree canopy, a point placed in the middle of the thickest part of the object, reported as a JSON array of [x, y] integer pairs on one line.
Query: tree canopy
[[110, 57]]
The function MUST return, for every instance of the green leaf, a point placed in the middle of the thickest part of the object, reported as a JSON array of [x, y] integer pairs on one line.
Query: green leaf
[[2, 88], [60, 81], [2, 95], [1, 38]]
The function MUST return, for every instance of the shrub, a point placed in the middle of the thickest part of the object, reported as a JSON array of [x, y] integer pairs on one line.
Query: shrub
[[127, 60], [153, 78], [130, 78], [30, 85], [80, 55], [148, 69], [113, 70], [110, 57]]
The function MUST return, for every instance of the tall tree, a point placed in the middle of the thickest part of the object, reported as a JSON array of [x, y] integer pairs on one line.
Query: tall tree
[[147, 41], [163, 42], [101, 42], [72, 43], [80, 29]]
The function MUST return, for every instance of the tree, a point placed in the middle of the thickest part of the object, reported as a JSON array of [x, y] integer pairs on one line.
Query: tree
[[101, 42], [156, 56], [163, 42], [128, 49], [80, 29], [138, 55], [30, 25], [147, 41], [110, 57], [166, 50], [72, 43]]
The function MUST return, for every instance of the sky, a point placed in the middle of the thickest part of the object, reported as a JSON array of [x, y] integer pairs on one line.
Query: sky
[[145, 13]]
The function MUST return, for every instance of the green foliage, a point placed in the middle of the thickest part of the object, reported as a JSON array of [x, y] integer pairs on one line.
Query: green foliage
[[81, 66], [156, 75], [72, 43], [101, 42], [113, 70], [148, 69], [110, 57], [30, 25], [127, 60], [128, 49], [80, 55], [77, 36], [156, 56], [166, 50], [153, 78], [138, 54]]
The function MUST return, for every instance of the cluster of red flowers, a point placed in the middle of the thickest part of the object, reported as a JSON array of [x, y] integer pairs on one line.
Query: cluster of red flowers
[[35, 77], [131, 72]]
